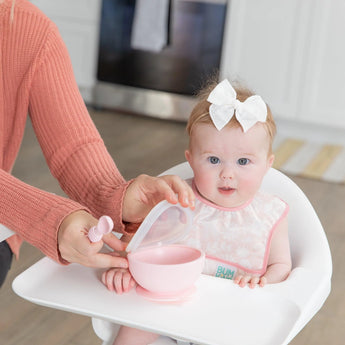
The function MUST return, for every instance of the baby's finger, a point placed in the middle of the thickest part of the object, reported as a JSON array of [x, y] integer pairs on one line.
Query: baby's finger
[[244, 281], [263, 281], [238, 278], [253, 282], [103, 278], [132, 283], [126, 281], [118, 282], [108, 279]]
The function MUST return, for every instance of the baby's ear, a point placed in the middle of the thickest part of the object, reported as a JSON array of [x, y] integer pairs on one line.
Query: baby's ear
[[187, 154]]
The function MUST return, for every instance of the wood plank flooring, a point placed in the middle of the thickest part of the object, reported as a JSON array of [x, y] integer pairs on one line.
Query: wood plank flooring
[[145, 145]]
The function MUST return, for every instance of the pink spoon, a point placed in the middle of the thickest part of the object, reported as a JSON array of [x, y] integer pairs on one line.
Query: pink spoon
[[104, 226]]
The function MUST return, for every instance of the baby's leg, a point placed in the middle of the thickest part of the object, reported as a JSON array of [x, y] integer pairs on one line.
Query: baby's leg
[[132, 336]]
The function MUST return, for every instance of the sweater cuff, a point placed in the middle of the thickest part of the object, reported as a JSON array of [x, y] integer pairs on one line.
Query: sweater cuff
[[116, 206]]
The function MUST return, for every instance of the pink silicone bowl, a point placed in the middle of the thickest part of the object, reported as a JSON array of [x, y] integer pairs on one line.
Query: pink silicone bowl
[[166, 269]]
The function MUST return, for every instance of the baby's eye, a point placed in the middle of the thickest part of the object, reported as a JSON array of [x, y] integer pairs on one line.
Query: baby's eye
[[243, 161], [214, 160]]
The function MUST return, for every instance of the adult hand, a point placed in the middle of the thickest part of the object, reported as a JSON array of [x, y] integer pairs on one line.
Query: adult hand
[[147, 191], [75, 246]]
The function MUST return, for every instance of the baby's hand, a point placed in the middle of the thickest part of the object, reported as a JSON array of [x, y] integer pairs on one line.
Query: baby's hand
[[243, 278], [118, 279]]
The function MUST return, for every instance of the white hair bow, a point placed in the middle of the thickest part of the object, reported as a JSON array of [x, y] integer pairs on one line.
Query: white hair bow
[[224, 104]]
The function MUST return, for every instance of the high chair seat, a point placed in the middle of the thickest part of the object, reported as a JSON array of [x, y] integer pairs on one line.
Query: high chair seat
[[273, 314]]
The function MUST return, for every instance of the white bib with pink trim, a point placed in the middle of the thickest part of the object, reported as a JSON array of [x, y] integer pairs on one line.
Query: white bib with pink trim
[[236, 238]]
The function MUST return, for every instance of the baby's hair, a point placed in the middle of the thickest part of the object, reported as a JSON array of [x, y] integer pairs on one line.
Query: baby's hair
[[200, 113]]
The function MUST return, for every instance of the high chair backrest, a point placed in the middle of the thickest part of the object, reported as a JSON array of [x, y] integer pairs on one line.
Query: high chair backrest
[[309, 245]]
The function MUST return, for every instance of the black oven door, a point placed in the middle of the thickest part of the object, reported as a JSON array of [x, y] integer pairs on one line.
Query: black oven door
[[193, 50]]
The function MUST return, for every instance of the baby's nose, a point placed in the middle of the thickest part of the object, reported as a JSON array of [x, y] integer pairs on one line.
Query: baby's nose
[[227, 173]]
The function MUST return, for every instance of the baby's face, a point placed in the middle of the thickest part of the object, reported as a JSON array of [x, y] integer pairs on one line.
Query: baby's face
[[229, 165]]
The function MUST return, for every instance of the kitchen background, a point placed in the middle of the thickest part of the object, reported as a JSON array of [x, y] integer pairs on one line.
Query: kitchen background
[[289, 52]]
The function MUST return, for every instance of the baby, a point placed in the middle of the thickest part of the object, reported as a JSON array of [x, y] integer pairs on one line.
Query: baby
[[243, 231]]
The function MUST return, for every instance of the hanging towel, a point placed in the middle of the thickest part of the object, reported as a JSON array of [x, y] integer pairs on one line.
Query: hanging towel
[[150, 30]]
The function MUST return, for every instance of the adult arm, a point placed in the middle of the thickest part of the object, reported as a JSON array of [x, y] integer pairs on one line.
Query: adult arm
[[40, 77], [78, 158]]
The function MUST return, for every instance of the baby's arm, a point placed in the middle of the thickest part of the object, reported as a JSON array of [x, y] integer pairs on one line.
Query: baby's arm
[[279, 262]]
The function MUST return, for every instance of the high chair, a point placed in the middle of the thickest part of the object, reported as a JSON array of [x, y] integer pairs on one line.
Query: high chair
[[220, 312]]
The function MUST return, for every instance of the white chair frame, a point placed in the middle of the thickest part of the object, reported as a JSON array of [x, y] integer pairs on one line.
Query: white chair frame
[[311, 256], [307, 287]]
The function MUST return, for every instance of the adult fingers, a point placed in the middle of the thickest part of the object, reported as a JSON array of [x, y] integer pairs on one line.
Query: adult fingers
[[114, 243], [79, 250], [106, 260], [180, 187], [88, 254]]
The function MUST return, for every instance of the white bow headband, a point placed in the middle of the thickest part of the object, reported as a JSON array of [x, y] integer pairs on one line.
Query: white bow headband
[[224, 104]]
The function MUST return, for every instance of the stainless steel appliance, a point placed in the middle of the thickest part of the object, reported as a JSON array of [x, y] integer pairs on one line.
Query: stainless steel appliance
[[158, 83]]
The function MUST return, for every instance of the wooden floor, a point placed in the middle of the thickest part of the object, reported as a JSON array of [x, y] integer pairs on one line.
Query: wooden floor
[[144, 145]]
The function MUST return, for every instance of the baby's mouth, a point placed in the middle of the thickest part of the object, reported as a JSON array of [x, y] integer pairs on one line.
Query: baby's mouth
[[226, 190]]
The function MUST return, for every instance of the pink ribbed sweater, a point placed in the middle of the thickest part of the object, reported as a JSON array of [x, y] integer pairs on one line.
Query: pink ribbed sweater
[[36, 77]]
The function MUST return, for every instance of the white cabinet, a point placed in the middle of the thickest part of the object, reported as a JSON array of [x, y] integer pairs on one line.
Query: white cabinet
[[324, 82], [290, 52], [78, 23]]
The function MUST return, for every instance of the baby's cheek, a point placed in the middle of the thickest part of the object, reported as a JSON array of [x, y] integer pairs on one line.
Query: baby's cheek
[[202, 181], [251, 183], [250, 186], [205, 187]]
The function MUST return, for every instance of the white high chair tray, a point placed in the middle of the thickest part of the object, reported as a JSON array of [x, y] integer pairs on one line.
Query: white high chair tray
[[219, 312]]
